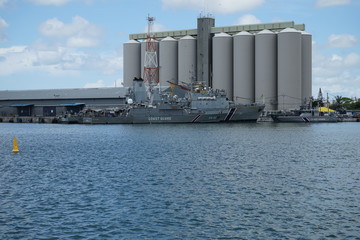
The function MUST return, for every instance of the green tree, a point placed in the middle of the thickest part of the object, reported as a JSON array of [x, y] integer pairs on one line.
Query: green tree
[[338, 105], [354, 105], [345, 103]]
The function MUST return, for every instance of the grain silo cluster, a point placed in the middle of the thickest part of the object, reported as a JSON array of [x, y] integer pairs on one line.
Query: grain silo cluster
[[268, 63], [177, 60]]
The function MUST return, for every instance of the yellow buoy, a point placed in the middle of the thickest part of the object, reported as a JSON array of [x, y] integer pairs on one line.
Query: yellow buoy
[[16, 148]]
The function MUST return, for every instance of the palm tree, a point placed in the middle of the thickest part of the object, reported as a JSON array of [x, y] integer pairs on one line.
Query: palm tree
[[339, 102]]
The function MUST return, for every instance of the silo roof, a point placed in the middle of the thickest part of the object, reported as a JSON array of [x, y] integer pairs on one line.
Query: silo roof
[[132, 41], [168, 39], [222, 35], [188, 37], [305, 33], [244, 33], [265, 31], [288, 30]]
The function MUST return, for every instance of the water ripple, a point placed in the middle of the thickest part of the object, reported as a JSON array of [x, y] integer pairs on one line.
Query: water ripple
[[207, 181]]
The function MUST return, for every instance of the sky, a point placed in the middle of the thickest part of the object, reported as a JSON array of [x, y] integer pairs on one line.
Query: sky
[[47, 44]]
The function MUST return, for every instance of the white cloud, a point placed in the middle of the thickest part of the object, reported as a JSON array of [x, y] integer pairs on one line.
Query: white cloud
[[15, 59], [342, 41], [159, 27], [55, 28], [79, 41], [79, 33], [60, 55], [97, 84], [3, 2], [352, 60], [55, 2], [13, 49], [56, 60], [3, 26], [248, 19], [112, 65], [101, 84], [331, 65], [327, 3], [337, 75], [50, 2], [215, 6], [50, 57]]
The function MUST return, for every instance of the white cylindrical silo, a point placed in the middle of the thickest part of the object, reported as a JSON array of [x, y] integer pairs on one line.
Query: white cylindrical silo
[[222, 77], [168, 61], [143, 48], [289, 69], [186, 59], [244, 67], [266, 69], [131, 61], [306, 65]]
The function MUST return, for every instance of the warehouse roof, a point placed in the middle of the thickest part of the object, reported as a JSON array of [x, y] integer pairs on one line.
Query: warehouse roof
[[22, 105], [75, 93]]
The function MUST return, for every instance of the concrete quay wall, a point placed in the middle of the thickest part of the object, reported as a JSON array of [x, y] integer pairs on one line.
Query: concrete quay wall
[[28, 119]]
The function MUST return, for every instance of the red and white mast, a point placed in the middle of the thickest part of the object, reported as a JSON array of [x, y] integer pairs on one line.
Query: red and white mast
[[151, 67]]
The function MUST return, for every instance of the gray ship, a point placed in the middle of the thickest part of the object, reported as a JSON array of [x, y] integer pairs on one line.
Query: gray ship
[[306, 116], [177, 104]]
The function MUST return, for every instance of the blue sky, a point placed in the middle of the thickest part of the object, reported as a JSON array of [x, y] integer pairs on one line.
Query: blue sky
[[48, 44]]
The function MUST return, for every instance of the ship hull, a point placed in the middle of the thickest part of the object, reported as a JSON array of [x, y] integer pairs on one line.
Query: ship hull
[[154, 115], [313, 119]]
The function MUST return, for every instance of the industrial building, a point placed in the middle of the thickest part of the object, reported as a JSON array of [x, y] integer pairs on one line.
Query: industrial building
[[47, 105], [269, 63]]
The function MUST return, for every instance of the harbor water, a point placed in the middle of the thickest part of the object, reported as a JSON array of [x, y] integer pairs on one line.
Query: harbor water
[[180, 181]]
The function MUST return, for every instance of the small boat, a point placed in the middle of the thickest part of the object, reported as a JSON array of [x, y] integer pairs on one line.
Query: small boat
[[106, 116], [308, 116], [70, 118]]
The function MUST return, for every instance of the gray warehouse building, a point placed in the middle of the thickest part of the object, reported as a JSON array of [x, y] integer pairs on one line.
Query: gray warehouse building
[[51, 103]]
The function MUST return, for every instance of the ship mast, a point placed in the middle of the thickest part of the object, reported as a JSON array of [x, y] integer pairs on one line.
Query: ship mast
[[151, 68]]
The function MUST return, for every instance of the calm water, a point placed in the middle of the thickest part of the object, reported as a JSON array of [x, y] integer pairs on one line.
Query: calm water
[[205, 181]]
